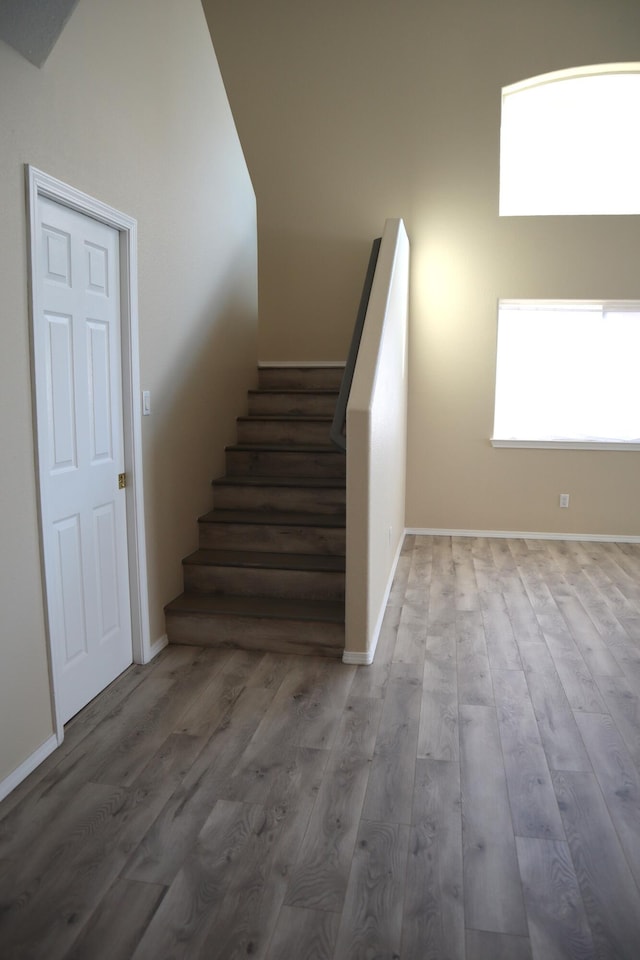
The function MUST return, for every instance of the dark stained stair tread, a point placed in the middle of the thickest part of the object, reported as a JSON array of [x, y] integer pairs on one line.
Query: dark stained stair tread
[[297, 390], [272, 561], [273, 518], [328, 611], [282, 418], [297, 448], [279, 481]]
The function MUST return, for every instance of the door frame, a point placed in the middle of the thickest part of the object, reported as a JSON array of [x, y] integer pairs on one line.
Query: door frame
[[40, 184]]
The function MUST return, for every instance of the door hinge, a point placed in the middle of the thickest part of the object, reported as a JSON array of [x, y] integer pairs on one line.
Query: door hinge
[[122, 481]]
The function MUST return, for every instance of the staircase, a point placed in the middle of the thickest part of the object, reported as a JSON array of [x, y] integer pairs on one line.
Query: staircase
[[269, 573]]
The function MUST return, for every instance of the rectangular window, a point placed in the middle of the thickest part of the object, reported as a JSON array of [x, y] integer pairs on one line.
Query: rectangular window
[[567, 375]]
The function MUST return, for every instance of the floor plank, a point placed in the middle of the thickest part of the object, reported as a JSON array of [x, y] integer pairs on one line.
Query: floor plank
[[501, 642], [434, 907], [319, 876], [412, 633], [493, 896], [359, 725], [558, 926], [619, 781], [438, 731], [558, 730], [390, 789], [497, 946], [534, 810], [372, 917], [472, 662], [610, 896], [304, 933], [624, 706], [191, 905], [134, 905], [161, 850], [577, 681]]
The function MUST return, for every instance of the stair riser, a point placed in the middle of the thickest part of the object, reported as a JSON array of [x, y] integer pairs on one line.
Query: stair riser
[[327, 501], [300, 378], [273, 538], [271, 463], [254, 582], [286, 404], [273, 431], [248, 633]]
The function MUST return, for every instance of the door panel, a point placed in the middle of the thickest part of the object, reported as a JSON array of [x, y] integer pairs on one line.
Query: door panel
[[62, 436], [79, 400], [69, 588]]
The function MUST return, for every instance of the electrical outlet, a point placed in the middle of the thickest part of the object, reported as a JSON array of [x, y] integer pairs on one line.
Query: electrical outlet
[[564, 499]]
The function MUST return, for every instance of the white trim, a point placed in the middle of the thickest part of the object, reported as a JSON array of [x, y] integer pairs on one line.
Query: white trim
[[359, 659], [550, 303], [571, 73], [366, 658], [28, 766], [567, 444], [268, 364], [41, 184], [157, 646], [524, 535]]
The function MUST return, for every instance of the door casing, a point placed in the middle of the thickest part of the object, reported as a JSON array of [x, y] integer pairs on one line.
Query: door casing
[[40, 184]]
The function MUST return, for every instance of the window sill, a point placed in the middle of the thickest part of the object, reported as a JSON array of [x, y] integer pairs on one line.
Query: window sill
[[567, 444]]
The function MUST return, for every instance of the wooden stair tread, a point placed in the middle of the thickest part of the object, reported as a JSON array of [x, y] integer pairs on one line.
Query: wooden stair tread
[[328, 611], [283, 418], [275, 481], [273, 561], [304, 366], [297, 448], [296, 391], [273, 518]]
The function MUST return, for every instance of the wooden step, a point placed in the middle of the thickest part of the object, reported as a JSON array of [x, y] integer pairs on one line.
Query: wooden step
[[320, 403], [301, 378], [302, 460], [273, 531], [283, 430], [286, 626], [326, 495], [250, 573]]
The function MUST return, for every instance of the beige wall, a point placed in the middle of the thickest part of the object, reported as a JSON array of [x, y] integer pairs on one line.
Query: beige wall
[[131, 109], [352, 112]]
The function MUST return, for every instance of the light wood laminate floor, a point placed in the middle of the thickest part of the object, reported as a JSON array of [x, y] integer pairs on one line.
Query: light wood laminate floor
[[475, 793]]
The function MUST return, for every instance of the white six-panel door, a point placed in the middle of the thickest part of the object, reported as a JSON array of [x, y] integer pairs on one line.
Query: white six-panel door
[[79, 407]]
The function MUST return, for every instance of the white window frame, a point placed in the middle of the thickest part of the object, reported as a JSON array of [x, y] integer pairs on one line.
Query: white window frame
[[565, 444]]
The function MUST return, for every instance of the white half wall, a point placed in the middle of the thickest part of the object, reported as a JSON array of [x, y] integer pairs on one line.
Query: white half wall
[[376, 448]]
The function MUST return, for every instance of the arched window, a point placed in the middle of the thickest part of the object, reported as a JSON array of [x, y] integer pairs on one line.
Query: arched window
[[570, 143]]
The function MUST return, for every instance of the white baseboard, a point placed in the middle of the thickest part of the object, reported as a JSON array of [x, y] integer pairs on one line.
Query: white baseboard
[[156, 647], [266, 364], [366, 658], [523, 535], [29, 765], [359, 659]]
